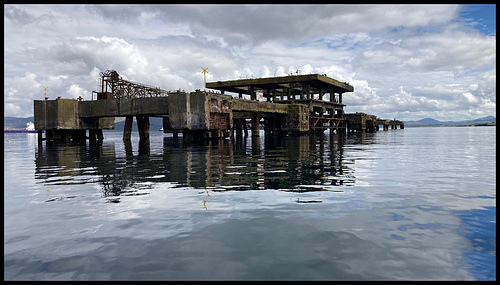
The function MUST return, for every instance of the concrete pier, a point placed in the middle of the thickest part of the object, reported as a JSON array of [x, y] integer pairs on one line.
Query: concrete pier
[[288, 105]]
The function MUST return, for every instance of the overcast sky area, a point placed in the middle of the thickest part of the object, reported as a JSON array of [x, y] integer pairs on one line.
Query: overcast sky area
[[406, 62]]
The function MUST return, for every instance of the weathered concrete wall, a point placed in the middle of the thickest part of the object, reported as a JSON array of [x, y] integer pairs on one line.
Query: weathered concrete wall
[[56, 114], [179, 112], [98, 108], [64, 114], [297, 118], [107, 123], [199, 113], [361, 122], [220, 114], [257, 106], [124, 107]]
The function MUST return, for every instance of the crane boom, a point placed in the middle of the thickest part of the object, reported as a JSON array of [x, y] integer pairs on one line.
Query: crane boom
[[111, 82]]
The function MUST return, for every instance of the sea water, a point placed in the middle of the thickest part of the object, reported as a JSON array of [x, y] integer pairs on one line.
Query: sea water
[[412, 204]]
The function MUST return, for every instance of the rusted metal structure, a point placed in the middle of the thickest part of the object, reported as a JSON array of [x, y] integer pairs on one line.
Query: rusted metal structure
[[297, 104], [113, 86]]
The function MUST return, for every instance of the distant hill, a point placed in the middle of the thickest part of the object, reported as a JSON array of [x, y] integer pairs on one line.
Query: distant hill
[[489, 120], [486, 119], [429, 121], [16, 123]]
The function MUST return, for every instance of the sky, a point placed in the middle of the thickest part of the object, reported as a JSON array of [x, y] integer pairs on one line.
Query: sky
[[406, 62]]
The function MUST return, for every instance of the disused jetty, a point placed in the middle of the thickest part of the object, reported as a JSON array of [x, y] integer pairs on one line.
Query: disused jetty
[[358, 121], [294, 104]]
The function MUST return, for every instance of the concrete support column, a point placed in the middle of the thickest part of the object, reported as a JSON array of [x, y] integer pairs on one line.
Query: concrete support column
[[255, 124], [143, 127], [238, 127], [245, 127], [127, 129], [288, 94], [100, 136], [252, 94], [96, 134]]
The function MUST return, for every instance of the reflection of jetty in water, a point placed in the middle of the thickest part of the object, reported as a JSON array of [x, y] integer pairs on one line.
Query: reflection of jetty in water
[[294, 163]]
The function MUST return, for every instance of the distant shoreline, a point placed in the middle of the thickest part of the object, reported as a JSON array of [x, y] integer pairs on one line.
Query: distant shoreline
[[489, 124]]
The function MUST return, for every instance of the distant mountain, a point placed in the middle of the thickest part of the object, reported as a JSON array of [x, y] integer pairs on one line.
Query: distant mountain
[[429, 121], [16, 123], [489, 120], [486, 119]]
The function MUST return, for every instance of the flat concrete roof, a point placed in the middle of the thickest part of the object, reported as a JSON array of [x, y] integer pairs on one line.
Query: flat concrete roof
[[297, 83]]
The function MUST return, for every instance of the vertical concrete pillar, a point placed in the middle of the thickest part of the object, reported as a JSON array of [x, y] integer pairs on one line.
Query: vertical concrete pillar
[[143, 127], [127, 130], [92, 135], [245, 127], [340, 97], [238, 126], [252, 94], [255, 124], [100, 136]]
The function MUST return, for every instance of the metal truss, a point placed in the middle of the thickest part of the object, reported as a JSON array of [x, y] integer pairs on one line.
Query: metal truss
[[111, 82]]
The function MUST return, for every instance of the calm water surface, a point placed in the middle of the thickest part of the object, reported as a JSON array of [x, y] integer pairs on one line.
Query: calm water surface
[[413, 204]]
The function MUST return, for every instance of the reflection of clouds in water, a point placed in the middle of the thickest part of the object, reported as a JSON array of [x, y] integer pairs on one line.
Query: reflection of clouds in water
[[259, 247], [185, 211]]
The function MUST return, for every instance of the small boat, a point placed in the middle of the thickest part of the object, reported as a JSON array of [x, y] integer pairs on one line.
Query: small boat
[[30, 128]]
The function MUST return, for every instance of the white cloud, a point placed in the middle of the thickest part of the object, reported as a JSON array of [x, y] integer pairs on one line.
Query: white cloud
[[75, 91], [469, 97], [13, 110], [446, 68]]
